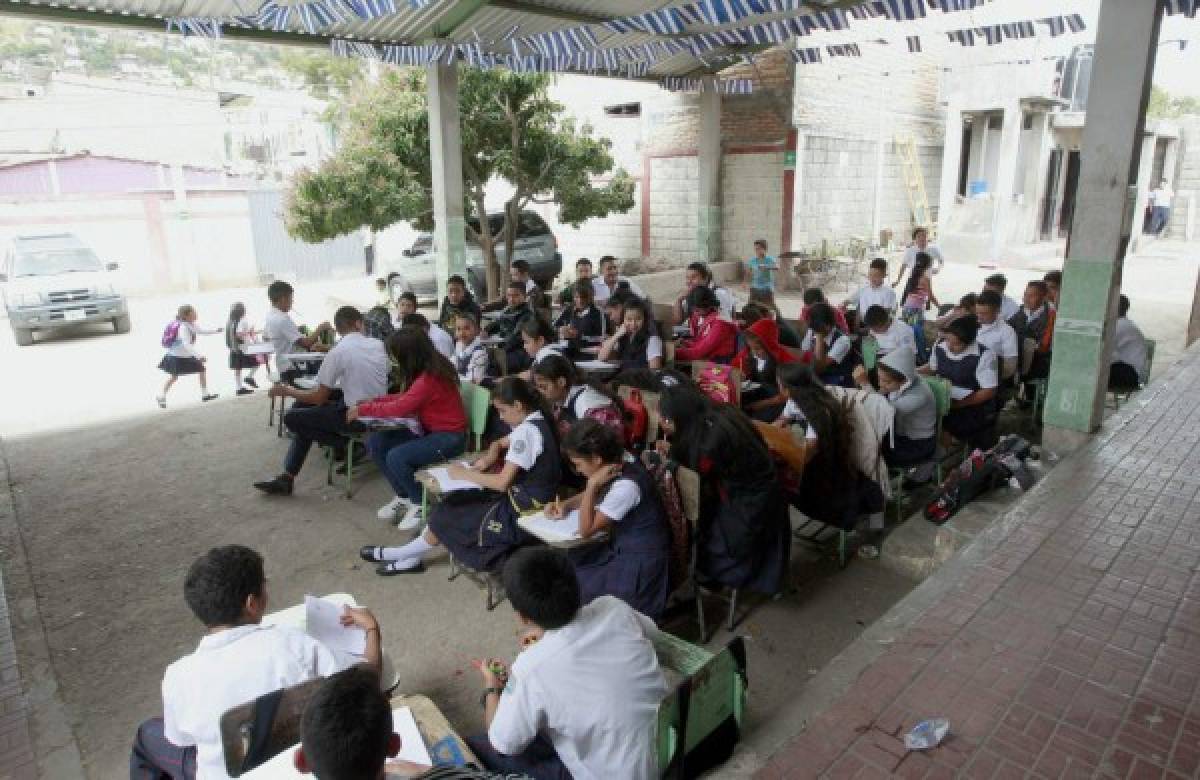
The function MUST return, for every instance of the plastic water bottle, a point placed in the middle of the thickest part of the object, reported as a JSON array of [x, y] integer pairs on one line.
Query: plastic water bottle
[[927, 734]]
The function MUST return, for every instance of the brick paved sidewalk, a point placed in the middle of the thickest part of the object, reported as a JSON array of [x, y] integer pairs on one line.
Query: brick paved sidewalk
[[1072, 649]]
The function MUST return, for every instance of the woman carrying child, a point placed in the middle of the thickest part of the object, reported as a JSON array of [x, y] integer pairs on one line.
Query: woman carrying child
[[619, 499], [634, 344], [481, 530], [239, 333], [744, 538], [431, 398], [181, 359]]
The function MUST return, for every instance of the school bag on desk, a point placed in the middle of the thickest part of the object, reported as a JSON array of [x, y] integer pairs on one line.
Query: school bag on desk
[[721, 383]]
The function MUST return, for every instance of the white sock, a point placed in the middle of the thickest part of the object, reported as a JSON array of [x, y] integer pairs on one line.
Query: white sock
[[408, 552]]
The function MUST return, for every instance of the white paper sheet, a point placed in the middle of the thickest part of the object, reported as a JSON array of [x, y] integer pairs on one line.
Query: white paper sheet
[[322, 620], [412, 748], [258, 349], [549, 530], [959, 393], [596, 365], [447, 484]]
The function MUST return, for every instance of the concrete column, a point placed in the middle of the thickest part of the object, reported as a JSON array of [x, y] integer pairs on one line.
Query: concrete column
[[951, 158], [445, 156], [708, 217], [1126, 44], [1006, 178]]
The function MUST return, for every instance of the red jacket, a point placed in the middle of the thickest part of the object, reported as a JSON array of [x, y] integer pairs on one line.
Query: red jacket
[[715, 339], [433, 401]]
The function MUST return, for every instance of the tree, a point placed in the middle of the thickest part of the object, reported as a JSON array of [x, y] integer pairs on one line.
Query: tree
[[1163, 106], [511, 129], [324, 74]]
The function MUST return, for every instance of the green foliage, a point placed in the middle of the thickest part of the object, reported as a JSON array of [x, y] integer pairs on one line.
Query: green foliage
[[325, 76], [1163, 106], [511, 129]]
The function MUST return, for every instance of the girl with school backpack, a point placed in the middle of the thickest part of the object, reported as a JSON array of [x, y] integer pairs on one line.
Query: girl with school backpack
[[239, 333], [179, 339]]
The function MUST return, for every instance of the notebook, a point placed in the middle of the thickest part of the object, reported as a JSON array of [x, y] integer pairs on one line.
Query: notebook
[[550, 530], [448, 484]]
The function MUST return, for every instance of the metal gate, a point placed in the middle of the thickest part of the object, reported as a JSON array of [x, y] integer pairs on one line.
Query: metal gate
[[279, 255]]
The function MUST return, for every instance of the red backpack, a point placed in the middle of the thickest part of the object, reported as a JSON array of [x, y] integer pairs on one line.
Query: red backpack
[[637, 421], [718, 383]]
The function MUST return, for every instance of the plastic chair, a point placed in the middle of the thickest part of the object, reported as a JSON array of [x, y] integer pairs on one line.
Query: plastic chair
[[477, 402], [870, 352]]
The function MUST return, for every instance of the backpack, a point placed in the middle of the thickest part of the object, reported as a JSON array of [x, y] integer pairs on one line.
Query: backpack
[[678, 525], [718, 383], [170, 334], [637, 420], [377, 323]]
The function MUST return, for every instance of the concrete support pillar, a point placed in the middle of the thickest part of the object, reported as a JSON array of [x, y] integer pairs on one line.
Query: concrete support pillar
[[1006, 177], [708, 217], [445, 156], [1126, 44], [951, 159]]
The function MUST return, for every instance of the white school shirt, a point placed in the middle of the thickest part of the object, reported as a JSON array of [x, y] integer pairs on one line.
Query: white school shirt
[[792, 412], [1129, 346], [228, 669], [603, 658], [897, 336], [478, 366], [935, 255], [867, 296], [602, 293], [359, 366], [525, 443], [622, 496], [987, 373], [582, 399], [836, 353], [545, 352], [1008, 308], [185, 338], [282, 333], [442, 341], [999, 337]]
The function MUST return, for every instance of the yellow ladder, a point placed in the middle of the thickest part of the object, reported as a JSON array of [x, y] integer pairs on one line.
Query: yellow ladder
[[914, 184]]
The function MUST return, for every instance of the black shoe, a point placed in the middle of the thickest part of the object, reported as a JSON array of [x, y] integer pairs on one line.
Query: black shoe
[[250, 383], [244, 391], [280, 486], [371, 554], [389, 569]]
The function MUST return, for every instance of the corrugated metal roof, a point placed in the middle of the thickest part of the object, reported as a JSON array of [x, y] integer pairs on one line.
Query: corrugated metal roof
[[488, 23]]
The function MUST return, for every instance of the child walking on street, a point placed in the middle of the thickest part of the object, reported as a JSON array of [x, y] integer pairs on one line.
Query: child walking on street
[[239, 333], [179, 338]]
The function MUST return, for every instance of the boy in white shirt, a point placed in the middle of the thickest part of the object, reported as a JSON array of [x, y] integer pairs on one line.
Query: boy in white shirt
[[238, 660], [890, 335], [611, 280], [875, 292], [470, 355], [582, 698], [996, 334], [920, 244], [282, 333], [1128, 362], [999, 283]]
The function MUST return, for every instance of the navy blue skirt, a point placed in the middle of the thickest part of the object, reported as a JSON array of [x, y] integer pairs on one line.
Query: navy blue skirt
[[480, 532], [178, 366], [637, 578]]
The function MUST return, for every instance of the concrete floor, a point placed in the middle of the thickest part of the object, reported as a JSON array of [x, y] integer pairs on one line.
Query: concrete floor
[[111, 515]]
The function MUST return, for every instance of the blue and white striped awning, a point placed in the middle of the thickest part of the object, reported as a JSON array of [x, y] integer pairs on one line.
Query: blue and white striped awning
[[1186, 8]]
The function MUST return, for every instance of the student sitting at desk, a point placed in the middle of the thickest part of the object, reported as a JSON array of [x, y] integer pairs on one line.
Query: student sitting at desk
[[699, 275], [619, 499], [573, 399], [832, 490], [971, 369], [583, 273], [238, 660], [442, 341], [611, 282], [997, 335], [581, 319], [538, 341], [758, 362], [431, 398], [581, 700], [470, 355], [634, 344], [813, 296], [744, 535], [356, 369], [347, 734], [890, 334], [507, 326], [913, 439], [458, 301], [832, 354], [480, 531], [713, 338], [284, 336]]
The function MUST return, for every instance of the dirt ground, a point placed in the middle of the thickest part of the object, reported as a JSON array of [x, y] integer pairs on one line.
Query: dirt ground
[[111, 516]]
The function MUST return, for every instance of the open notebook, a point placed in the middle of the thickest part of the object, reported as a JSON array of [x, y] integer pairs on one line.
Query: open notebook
[[447, 484], [412, 748]]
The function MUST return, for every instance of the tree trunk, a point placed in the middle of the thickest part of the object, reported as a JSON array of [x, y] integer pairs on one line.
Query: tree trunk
[[511, 219]]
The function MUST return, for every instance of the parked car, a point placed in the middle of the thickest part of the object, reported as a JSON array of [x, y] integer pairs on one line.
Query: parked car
[[416, 270], [55, 281]]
